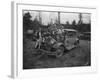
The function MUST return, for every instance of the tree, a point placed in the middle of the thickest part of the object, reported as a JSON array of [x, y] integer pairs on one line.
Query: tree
[[27, 22], [67, 23], [36, 24], [80, 19], [74, 23]]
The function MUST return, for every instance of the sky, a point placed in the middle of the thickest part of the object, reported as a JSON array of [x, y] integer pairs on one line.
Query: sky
[[47, 17]]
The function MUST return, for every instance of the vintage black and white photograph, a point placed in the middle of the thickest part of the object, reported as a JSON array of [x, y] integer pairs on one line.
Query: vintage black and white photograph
[[54, 39]]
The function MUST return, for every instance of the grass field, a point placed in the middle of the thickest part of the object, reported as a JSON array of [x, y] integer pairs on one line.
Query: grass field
[[80, 56]]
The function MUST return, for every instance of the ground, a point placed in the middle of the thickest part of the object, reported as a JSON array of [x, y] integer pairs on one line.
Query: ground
[[79, 56]]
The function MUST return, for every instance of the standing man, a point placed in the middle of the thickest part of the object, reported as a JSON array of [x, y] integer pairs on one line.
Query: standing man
[[39, 41]]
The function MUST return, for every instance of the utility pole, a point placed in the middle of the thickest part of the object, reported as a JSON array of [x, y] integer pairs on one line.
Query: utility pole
[[40, 18], [58, 17], [40, 35]]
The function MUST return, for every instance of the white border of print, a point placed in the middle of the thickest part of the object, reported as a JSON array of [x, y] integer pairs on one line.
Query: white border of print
[[17, 42]]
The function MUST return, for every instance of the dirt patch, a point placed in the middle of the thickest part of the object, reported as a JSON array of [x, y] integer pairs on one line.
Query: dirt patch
[[79, 56]]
